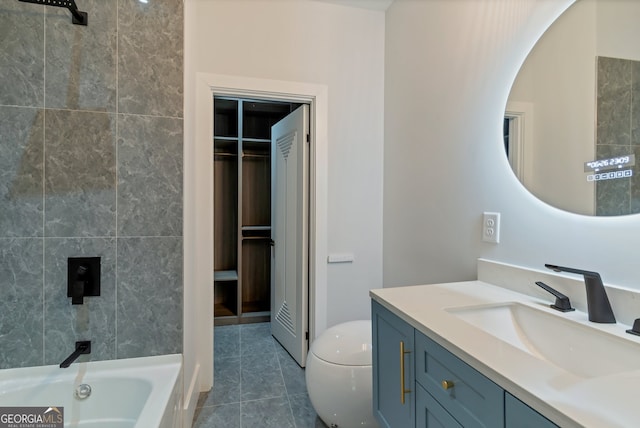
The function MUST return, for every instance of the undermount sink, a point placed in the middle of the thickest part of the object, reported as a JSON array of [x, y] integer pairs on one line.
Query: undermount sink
[[574, 347]]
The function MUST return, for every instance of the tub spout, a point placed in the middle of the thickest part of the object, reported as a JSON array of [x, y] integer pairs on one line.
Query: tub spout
[[82, 347]]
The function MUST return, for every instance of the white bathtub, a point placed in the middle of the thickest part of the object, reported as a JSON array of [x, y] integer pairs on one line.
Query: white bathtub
[[136, 392]]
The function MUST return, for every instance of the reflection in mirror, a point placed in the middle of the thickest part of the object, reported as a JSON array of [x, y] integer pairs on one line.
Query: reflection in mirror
[[572, 120]]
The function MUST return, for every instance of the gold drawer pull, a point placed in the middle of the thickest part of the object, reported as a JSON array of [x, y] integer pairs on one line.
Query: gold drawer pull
[[403, 391], [448, 384]]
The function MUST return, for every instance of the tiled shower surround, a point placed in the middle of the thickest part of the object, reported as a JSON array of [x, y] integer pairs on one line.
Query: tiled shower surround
[[618, 132], [90, 165]]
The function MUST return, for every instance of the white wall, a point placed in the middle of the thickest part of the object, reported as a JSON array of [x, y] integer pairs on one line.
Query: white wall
[[449, 69], [322, 43], [618, 29]]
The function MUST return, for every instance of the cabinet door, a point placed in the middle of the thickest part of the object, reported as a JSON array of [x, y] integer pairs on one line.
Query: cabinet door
[[430, 414], [470, 397], [393, 375], [519, 415]]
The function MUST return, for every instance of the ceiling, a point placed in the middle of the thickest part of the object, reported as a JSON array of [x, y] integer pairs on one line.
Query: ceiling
[[364, 4]]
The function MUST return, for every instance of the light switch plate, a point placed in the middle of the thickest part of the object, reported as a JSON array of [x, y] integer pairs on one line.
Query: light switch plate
[[340, 258]]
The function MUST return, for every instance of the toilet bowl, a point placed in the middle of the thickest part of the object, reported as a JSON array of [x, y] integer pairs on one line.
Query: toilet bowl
[[339, 375]]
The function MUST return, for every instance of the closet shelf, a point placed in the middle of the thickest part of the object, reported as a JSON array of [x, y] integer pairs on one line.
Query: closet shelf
[[256, 227], [225, 275]]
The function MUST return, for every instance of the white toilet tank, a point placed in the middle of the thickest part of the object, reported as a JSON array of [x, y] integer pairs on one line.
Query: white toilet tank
[[339, 375]]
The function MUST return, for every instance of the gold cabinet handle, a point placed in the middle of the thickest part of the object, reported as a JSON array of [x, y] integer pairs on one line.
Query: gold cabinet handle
[[403, 391], [447, 384]]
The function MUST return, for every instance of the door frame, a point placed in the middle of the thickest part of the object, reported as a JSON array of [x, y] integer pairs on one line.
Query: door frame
[[199, 198], [520, 138]]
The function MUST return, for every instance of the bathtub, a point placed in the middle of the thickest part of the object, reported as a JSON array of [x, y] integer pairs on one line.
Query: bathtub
[[141, 392]]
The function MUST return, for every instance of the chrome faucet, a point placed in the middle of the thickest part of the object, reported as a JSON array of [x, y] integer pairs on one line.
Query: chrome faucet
[[598, 304]]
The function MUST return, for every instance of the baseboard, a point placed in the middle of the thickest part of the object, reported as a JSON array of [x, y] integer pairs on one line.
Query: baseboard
[[191, 398]]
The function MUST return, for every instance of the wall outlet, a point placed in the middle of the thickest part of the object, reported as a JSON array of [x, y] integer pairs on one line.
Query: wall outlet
[[491, 227]]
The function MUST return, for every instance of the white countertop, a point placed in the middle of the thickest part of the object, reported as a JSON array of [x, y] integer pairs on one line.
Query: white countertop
[[566, 399]]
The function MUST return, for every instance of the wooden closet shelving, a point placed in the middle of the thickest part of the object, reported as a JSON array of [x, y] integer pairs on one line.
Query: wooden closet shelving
[[242, 207]]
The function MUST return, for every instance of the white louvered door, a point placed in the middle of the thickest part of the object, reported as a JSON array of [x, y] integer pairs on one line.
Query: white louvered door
[[290, 232]]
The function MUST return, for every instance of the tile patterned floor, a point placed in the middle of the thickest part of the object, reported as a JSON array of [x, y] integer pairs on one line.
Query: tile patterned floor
[[257, 383]]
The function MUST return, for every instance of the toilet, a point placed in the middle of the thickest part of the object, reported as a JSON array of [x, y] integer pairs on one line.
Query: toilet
[[339, 375]]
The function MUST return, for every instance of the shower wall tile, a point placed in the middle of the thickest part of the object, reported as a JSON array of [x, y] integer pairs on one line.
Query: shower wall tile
[[81, 60], [94, 320], [59, 177], [149, 305], [21, 169], [21, 320], [80, 174], [150, 51], [21, 54], [635, 182], [612, 196], [635, 103], [149, 176], [614, 98]]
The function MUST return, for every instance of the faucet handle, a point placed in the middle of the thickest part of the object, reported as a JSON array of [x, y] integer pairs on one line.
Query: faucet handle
[[562, 302], [636, 327]]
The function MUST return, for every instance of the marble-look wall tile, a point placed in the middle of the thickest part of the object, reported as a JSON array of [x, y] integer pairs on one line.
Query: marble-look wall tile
[[94, 320], [149, 302], [21, 169], [81, 60], [613, 101], [150, 50], [635, 182], [59, 177], [80, 174], [149, 176], [612, 196], [21, 54], [21, 322], [635, 103]]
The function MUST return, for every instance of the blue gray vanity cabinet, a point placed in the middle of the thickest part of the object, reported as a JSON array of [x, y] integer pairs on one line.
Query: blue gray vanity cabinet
[[438, 388], [430, 414], [470, 397], [519, 415], [393, 378]]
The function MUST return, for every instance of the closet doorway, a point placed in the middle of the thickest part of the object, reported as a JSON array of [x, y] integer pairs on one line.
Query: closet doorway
[[261, 216]]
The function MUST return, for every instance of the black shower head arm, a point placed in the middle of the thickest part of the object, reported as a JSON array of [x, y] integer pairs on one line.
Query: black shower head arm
[[79, 18]]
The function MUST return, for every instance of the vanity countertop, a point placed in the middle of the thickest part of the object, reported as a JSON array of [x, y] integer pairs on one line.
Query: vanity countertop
[[566, 399]]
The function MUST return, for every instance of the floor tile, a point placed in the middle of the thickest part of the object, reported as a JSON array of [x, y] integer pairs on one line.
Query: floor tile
[[257, 384], [226, 342], [256, 339], [267, 413], [292, 373], [224, 416], [261, 377], [304, 415], [226, 389]]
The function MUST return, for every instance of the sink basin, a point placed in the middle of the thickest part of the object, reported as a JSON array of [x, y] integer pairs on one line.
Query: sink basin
[[574, 347]]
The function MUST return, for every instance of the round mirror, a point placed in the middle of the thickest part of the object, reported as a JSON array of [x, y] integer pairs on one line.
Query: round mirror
[[572, 121]]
